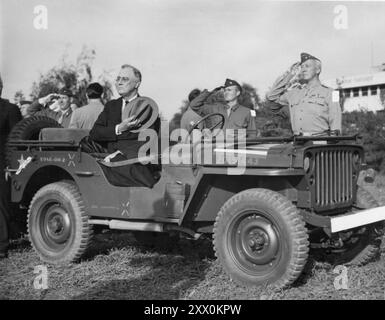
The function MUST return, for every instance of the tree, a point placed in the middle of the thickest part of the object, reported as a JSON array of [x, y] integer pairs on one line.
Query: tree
[[74, 76], [175, 121]]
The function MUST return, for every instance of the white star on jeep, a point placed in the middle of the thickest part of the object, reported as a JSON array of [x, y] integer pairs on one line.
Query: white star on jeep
[[23, 163], [21, 160]]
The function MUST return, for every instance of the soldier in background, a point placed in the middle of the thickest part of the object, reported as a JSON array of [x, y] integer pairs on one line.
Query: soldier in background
[[313, 108], [86, 116]]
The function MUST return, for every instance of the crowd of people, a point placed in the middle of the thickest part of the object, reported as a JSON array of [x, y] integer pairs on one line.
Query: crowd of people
[[298, 95]]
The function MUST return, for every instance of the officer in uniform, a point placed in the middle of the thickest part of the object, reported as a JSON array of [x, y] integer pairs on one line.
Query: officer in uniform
[[313, 108], [236, 116]]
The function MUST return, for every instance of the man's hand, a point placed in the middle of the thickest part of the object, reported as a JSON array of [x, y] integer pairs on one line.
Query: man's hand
[[111, 156], [47, 99], [128, 124], [217, 89], [295, 68]]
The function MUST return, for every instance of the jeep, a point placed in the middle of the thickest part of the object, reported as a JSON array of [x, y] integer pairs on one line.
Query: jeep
[[295, 193]]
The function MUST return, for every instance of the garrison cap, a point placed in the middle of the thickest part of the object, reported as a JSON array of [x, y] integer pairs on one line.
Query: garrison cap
[[229, 83], [305, 56], [65, 92]]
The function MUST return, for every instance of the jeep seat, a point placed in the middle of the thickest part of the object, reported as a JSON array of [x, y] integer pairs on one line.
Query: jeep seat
[[63, 134]]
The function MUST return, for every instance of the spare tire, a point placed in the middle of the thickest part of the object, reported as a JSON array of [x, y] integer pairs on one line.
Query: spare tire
[[29, 129]]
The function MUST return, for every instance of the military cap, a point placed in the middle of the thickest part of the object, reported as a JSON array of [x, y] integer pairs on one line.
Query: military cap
[[65, 92], [305, 56], [229, 83]]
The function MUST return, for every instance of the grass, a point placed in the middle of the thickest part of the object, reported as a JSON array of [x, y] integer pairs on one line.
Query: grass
[[118, 267]]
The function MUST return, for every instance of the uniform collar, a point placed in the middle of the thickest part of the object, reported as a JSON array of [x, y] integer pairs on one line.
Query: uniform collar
[[66, 112], [313, 85], [233, 108]]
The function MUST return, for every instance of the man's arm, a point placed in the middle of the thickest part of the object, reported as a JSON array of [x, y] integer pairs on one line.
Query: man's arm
[[40, 103], [35, 107], [14, 116], [142, 116], [335, 113], [101, 131], [198, 104], [278, 95]]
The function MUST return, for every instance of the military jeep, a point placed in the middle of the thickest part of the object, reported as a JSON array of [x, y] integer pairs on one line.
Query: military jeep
[[294, 193]]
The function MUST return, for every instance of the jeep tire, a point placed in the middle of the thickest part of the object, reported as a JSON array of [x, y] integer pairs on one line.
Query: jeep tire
[[260, 238], [57, 223], [29, 129]]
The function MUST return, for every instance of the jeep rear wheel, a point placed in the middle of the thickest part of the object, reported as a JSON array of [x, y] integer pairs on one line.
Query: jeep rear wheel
[[57, 223], [260, 238]]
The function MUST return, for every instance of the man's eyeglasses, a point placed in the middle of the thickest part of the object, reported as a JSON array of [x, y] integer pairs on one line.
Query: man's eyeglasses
[[122, 79]]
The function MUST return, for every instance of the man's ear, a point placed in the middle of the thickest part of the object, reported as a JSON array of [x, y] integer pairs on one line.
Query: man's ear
[[137, 85]]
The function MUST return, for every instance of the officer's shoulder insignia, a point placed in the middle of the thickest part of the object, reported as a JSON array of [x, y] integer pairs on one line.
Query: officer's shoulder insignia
[[335, 96]]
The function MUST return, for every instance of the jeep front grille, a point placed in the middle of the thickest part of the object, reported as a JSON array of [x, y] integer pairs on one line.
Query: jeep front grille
[[333, 177]]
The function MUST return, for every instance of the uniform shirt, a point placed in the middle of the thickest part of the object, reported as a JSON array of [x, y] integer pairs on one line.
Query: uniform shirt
[[189, 119], [86, 116], [63, 118], [236, 117], [310, 107]]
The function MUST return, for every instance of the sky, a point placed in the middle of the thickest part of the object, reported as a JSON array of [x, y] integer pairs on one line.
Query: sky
[[180, 45]]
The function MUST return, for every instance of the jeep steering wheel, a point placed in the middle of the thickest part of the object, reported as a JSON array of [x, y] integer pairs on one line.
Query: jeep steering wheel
[[221, 122]]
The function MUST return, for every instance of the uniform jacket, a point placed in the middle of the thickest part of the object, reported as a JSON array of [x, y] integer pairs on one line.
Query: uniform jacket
[[240, 117], [311, 108], [189, 119]]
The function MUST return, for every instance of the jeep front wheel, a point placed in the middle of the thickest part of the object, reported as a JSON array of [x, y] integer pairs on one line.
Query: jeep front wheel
[[260, 238], [57, 223]]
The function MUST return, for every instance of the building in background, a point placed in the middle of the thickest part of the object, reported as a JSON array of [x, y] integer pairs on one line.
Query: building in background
[[361, 92]]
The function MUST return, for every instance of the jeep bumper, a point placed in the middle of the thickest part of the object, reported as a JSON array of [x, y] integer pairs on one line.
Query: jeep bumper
[[357, 219]]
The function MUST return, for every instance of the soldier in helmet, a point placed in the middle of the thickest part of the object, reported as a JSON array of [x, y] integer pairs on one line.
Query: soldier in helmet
[[312, 108]]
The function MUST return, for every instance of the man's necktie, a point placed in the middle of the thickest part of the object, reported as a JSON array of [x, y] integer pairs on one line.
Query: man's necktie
[[61, 117], [126, 110]]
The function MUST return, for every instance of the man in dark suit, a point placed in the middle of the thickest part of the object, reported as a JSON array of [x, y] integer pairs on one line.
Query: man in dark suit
[[9, 116], [116, 129]]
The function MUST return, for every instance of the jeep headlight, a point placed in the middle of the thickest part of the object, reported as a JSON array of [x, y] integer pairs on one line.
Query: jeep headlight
[[307, 163]]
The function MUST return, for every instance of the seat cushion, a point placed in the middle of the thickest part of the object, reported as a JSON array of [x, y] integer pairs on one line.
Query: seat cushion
[[63, 134]]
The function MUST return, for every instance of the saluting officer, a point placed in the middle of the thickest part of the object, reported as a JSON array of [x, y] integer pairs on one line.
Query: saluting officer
[[312, 107], [236, 116]]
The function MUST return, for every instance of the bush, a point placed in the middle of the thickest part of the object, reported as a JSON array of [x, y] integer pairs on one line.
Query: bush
[[372, 129]]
